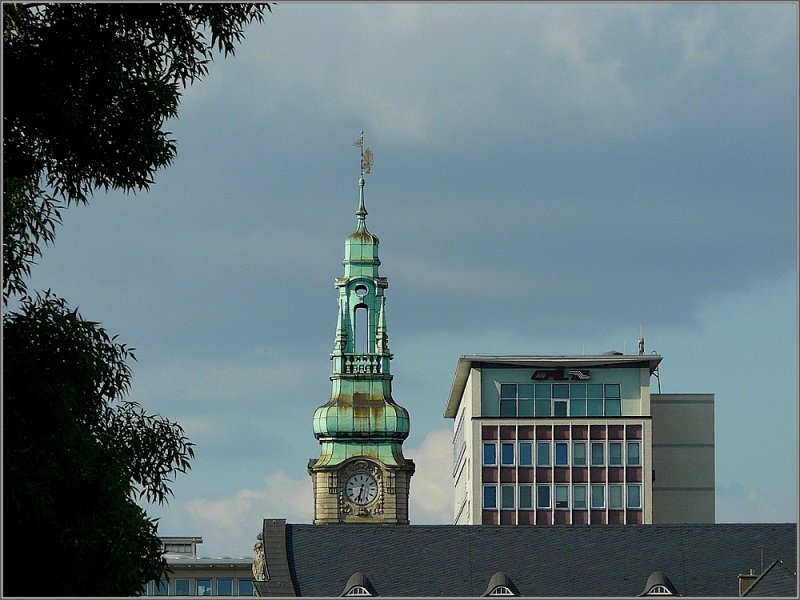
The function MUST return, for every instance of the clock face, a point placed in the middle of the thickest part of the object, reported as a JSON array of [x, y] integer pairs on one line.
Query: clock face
[[361, 488]]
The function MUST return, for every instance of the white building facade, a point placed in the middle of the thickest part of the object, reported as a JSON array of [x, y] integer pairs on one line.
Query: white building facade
[[555, 440]]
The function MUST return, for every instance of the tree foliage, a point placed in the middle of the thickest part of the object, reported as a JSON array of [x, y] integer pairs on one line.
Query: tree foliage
[[87, 90], [77, 456]]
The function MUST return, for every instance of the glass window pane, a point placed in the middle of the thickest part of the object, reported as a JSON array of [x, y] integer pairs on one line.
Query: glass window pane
[[615, 496], [525, 390], [543, 454], [507, 453], [542, 390], [594, 390], [562, 496], [525, 407], [615, 454], [525, 497], [203, 587], [489, 496], [507, 496], [579, 496], [542, 496], [613, 408], [633, 454], [562, 454], [489, 454], [598, 496], [634, 496], [224, 587], [595, 408], [508, 408], [162, 589], [246, 587], [543, 407], [612, 390], [597, 454], [182, 587], [560, 390], [508, 390], [579, 454], [577, 407], [559, 408], [525, 454], [577, 390]]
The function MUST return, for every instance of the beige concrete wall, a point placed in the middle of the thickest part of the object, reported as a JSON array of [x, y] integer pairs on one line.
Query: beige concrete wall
[[683, 458]]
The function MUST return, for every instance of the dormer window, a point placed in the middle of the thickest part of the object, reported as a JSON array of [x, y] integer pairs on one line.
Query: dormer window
[[358, 586], [659, 590], [359, 591], [500, 584], [658, 584], [501, 590]]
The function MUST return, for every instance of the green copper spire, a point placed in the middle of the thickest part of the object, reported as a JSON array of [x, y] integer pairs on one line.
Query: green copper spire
[[361, 418]]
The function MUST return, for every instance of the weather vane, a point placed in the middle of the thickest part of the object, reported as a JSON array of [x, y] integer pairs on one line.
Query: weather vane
[[366, 154]]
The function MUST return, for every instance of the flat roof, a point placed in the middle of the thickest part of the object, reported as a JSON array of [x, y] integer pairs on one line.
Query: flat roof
[[466, 362]]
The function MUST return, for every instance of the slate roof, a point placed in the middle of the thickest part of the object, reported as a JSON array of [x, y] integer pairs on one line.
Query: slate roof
[[776, 580], [569, 560]]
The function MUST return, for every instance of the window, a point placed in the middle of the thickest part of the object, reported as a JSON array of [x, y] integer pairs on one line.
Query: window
[[615, 497], [525, 400], [507, 496], [542, 496], [577, 402], [358, 590], [361, 334], [508, 400], [579, 454], [562, 496], [594, 392], [613, 408], [525, 496], [204, 587], [458, 442], [615, 454], [633, 454], [224, 586], [489, 454], [182, 587], [562, 454], [542, 454], [489, 496], [634, 495], [597, 454], [579, 496], [507, 454], [162, 589], [501, 590], [560, 398], [245, 587], [542, 393], [525, 454], [598, 496], [659, 590]]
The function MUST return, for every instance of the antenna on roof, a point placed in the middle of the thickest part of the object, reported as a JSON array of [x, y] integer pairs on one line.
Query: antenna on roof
[[641, 339]]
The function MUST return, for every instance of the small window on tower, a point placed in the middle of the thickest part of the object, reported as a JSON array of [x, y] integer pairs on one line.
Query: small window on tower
[[362, 330]]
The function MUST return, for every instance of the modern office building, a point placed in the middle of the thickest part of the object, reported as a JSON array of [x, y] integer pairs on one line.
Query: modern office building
[[191, 575], [556, 440]]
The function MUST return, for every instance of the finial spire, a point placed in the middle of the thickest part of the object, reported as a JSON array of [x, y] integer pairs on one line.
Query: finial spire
[[366, 165]]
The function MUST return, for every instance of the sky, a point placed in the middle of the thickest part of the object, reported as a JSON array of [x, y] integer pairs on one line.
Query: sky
[[548, 179]]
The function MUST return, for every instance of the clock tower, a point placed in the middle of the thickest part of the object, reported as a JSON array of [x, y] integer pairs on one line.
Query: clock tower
[[361, 475]]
